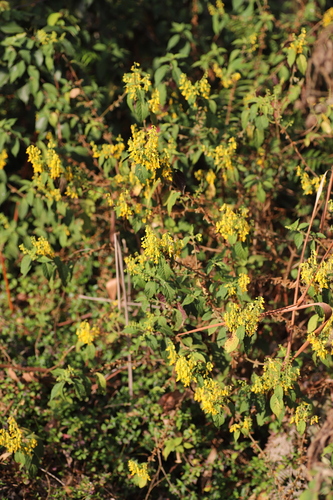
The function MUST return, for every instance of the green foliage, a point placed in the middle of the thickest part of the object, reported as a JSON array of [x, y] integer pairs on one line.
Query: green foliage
[[180, 167]]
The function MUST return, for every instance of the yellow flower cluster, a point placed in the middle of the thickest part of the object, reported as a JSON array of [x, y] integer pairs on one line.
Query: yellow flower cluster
[[232, 223], [244, 426], [46, 38], [223, 156], [86, 334], [302, 414], [123, 205], [172, 356], [211, 396], [273, 375], [184, 367], [311, 272], [243, 282], [201, 88], [13, 439], [53, 161], [327, 17], [153, 249], [109, 150], [218, 8], [253, 42], [3, 158], [308, 185], [299, 42], [136, 81], [4, 221], [141, 471], [321, 342], [154, 102], [143, 148], [71, 193], [40, 247], [35, 158], [227, 79], [210, 177], [247, 316]]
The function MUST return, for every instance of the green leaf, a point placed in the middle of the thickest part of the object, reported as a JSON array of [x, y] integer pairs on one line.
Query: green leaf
[[57, 390], [54, 18], [298, 239], [173, 41], [291, 56], [258, 137], [312, 323], [24, 93], [150, 289], [26, 265], [11, 28], [302, 63], [160, 73], [212, 106], [231, 344], [188, 300], [16, 71], [276, 402], [23, 208], [172, 198], [301, 426], [261, 195], [240, 332], [142, 173], [48, 270]]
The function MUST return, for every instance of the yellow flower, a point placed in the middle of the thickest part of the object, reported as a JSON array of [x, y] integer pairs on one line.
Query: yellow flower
[[154, 102], [234, 427], [136, 81], [3, 157], [273, 375], [248, 316], [53, 162], [217, 9], [124, 209], [232, 223], [13, 439], [141, 471], [172, 356], [40, 247], [308, 185], [35, 158], [298, 42], [211, 396], [190, 91], [86, 334], [109, 150], [327, 17], [184, 369], [243, 281]]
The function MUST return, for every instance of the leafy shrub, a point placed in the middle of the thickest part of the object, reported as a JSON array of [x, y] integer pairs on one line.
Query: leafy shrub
[[192, 183]]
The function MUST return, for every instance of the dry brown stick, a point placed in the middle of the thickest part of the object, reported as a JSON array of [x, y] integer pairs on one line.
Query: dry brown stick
[[328, 194], [296, 301], [121, 284], [37, 368]]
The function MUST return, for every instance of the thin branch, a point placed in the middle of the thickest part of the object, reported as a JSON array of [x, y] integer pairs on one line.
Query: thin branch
[[51, 475], [123, 301]]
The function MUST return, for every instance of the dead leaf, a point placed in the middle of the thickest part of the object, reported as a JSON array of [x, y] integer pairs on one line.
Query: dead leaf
[[74, 93], [12, 374]]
